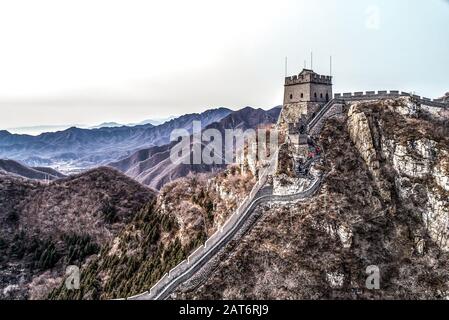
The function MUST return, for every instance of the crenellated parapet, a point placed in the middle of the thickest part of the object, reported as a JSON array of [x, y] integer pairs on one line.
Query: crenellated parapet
[[223, 235], [384, 94], [333, 108], [308, 78], [336, 105], [307, 86]]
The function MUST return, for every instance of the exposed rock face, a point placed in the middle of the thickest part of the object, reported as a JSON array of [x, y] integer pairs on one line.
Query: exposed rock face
[[446, 97], [345, 234], [423, 176], [291, 113], [204, 202], [383, 202], [285, 185], [441, 170], [420, 162], [364, 139], [286, 161]]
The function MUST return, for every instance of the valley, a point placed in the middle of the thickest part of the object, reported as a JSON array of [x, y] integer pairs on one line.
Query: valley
[[74, 150], [130, 224]]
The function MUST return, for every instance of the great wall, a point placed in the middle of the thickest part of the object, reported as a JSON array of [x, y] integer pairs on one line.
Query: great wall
[[240, 220], [336, 105], [202, 255], [195, 259], [187, 268], [372, 95]]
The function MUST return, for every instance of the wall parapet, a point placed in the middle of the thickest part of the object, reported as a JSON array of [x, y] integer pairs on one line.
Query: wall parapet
[[298, 79], [384, 94], [246, 206]]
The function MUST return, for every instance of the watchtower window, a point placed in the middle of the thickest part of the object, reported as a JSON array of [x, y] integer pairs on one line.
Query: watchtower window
[[291, 96], [302, 95], [327, 96], [315, 95], [321, 95]]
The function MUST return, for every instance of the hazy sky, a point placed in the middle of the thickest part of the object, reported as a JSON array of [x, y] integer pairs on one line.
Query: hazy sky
[[89, 61]]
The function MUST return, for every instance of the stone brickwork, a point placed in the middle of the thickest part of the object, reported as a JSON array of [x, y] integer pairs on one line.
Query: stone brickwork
[[209, 248], [383, 94], [304, 96], [336, 105], [308, 86], [331, 109], [292, 113]]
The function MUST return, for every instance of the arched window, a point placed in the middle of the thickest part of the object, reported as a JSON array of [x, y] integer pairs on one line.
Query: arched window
[[327, 96], [315, 95], [321, 95], [302, 95], [291, 96]]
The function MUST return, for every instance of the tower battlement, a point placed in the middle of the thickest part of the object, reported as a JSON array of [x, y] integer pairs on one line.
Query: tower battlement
[[308, 76], [308, 86]]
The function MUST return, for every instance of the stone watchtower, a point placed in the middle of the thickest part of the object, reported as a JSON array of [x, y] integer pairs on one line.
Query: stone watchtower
[[304, 94], [308, 86]]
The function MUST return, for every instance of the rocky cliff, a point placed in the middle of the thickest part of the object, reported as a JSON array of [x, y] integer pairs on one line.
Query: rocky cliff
[[383, 202], [401, 137]]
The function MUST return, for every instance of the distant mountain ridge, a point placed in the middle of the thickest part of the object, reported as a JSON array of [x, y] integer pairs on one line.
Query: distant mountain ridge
[[86, 148], [107, 125], [153, 166], [39, 129], [15, 168]]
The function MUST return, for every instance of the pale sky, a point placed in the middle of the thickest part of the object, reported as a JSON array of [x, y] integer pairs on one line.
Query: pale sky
[[91, 61]]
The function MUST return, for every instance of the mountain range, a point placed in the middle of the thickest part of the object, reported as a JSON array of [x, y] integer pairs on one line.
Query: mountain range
[[382, 200], [36, 130], [154, 122], [76, 149], [47, 226], [14, 168], [153, 166], [142, 152]]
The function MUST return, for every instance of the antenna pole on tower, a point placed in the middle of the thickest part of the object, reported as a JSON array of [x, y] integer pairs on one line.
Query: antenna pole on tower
[[311, 60], [330, 65], [286, 66]]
